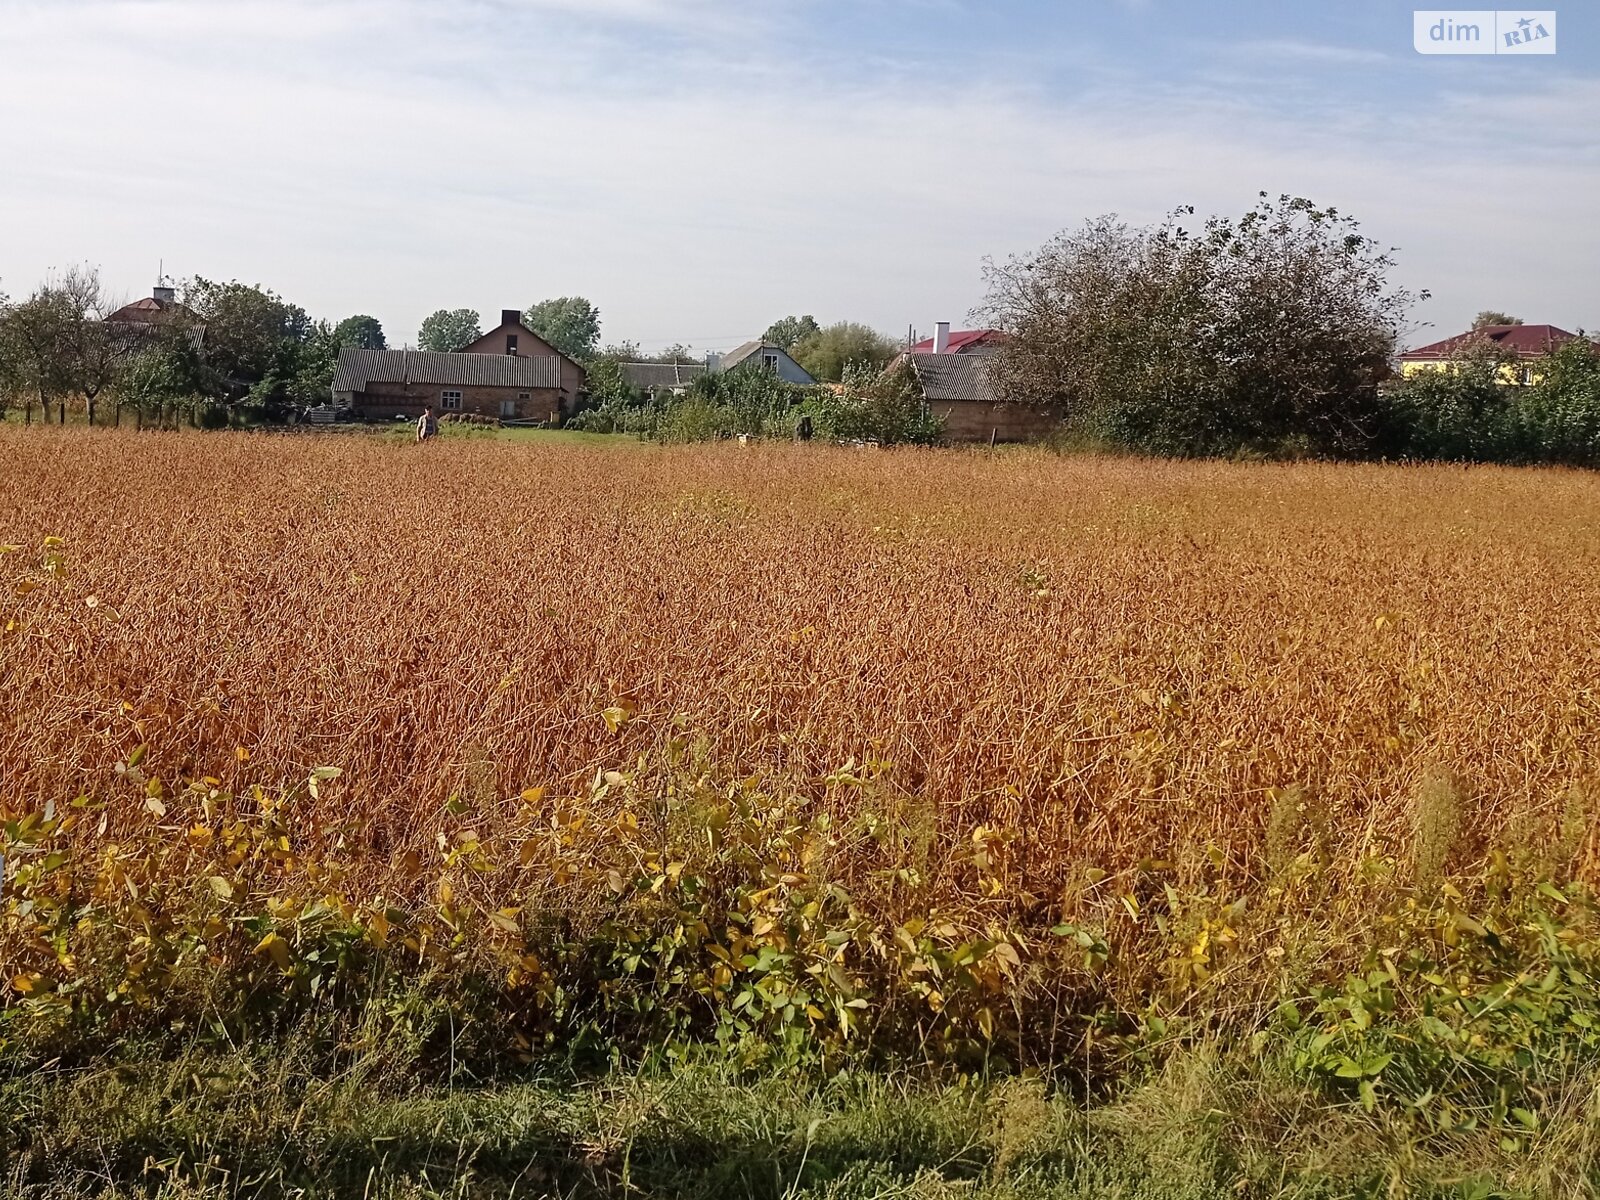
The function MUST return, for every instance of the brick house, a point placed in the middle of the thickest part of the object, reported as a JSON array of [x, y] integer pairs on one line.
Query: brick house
[[510, 373], [958, 390]]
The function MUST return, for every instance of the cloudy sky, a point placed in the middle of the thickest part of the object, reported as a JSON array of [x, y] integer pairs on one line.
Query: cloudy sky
[[701, 167]]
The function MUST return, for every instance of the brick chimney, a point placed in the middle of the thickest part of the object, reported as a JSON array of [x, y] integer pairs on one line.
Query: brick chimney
[[511, 316]]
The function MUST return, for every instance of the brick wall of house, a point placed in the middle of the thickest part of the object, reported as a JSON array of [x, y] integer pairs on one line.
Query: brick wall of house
[[973, 421], [382, 401], [530, 344]]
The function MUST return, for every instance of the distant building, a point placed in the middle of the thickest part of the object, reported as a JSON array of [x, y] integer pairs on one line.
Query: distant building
[[1525, 343], [655, 379], [952, 372], [510, 373], [511, 337], [382, 384], [160, 311], [770, 357]]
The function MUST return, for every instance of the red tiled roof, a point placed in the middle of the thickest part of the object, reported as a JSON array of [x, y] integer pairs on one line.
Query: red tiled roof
[[961, 339], [150, 311], [1525, 341]]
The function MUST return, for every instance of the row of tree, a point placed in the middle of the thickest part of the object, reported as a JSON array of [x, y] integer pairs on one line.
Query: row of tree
[[224, 352], [216, 352]]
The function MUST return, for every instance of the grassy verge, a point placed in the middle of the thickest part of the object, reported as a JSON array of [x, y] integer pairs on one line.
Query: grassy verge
[[279, 1118]]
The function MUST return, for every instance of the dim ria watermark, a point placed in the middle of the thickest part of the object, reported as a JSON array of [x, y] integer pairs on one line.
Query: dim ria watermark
[[1484, 31]]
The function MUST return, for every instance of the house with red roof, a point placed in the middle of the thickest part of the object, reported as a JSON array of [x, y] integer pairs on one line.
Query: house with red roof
[[1522, 345], [959, 341]]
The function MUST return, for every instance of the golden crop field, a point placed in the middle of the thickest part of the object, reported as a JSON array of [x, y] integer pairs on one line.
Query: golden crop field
[[1106, 660]]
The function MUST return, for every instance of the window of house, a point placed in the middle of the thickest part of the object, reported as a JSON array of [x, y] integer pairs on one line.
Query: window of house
[[770, 362], [1527, 376], [511, 343], [450, 401]]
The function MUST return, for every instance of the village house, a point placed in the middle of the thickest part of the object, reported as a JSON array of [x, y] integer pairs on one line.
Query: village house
[[770, 357], [957, 387], [1523, 344], [510, 373], [156, 314]]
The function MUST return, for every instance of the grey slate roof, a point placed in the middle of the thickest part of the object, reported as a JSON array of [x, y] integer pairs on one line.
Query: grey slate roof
[[358, 368], [648, 377], [948, 377]]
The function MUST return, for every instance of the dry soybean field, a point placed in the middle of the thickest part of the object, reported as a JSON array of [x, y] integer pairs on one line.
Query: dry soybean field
[[1107, 660]]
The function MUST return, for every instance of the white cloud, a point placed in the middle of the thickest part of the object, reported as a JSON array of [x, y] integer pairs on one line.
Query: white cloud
[[696, 181], [1291, 51]]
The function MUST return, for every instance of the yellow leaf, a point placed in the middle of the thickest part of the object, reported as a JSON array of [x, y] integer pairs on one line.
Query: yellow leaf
[[615, 717], [154, 806], [23, 984], [240, 753], [533, 795], [275, 946], [221, 887], [506, 919]]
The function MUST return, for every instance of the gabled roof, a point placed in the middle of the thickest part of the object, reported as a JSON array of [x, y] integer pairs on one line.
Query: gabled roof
[[952, 377], [358, 368], [1525, 341], [963, 341], [741, 354], [647, 377]]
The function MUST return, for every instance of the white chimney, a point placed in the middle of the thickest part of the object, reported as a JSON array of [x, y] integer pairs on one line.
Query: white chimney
[[713, 362], [941, 338]]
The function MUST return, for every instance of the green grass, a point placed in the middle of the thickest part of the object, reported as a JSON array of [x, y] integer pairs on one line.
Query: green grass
[[286, 1119]]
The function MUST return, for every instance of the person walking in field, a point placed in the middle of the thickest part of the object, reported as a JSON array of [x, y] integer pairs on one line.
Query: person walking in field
[[426, 425]]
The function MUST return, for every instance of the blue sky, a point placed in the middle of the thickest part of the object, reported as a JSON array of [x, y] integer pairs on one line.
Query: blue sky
[[701, 167]]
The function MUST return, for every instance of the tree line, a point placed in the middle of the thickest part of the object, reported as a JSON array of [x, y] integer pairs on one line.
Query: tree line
[[1271, 334], [216, 353]]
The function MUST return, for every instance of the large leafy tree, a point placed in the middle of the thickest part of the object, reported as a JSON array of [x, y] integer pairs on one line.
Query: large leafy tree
[[362, 331], [828, 352], [790, 331], [37, 336], [449, 330], [1267, 332], [569, 323], [253, 339]]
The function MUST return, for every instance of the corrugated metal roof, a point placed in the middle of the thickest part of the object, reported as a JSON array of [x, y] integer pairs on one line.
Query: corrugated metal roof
[[358, 368], [946, 377], [1526, 341], [647, 377]]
